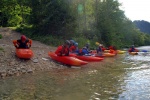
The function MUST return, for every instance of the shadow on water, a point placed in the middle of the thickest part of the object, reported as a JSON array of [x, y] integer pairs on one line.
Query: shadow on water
[[122, 77]]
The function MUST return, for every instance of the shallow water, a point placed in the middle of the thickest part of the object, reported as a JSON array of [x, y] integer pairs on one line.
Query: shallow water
[[124, 77]]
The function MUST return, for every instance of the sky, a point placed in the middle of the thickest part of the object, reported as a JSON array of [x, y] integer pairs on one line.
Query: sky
[[136, 9]]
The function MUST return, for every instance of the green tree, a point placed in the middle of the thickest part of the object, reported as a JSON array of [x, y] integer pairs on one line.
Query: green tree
[[52, 17]]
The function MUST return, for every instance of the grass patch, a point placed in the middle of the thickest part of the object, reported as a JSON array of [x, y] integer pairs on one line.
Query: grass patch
[[1, 49], [13, 28], [0, 36]]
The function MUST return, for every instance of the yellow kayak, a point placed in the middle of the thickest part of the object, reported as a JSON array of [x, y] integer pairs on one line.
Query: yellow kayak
[[106, 50], [120, 52]]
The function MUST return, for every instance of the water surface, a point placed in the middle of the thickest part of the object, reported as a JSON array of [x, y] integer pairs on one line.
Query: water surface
[[124, 77]]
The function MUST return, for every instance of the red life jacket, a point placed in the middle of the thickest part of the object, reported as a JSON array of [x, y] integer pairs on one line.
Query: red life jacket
[[62, 50], [72, 48]]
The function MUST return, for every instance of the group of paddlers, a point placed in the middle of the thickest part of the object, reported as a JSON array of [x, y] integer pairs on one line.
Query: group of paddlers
[[69, 46]]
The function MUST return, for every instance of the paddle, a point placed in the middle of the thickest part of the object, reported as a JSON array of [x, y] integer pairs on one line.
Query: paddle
[[97, 43]]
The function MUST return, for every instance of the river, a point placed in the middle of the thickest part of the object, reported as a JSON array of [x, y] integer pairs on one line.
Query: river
[[124, 77]]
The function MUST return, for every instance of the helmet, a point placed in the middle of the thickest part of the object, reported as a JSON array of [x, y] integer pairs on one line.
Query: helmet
[[72, 41], [76, 44], [67, 42], [23, 37], [84, 48], [100, 45]]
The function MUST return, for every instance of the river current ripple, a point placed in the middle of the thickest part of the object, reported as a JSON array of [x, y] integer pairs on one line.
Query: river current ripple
[[136, 83]]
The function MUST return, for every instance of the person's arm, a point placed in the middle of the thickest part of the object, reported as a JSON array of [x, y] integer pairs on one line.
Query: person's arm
[[58, 52], [29, 43], [15, 43]]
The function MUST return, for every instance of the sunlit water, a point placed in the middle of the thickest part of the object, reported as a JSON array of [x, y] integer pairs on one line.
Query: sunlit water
[[124, 77]]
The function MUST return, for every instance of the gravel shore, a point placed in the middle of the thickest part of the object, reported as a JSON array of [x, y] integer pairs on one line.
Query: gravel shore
[[10, 65]]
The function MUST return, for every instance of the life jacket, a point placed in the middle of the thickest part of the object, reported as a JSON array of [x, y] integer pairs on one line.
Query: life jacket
[[24, 45], [132, 50], [72, 48], [103, 49], [61, 50], [83, 51], [113, 51]]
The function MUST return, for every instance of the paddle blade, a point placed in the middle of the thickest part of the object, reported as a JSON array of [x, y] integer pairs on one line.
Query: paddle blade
[[97, 43]]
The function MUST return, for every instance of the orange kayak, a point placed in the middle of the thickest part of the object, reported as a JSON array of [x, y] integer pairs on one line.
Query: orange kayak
[[109, 54], [87, 58], [24, 53], [68, 60], [133, 53]]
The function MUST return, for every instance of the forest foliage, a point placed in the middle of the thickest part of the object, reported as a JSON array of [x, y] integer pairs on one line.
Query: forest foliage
[[53, 21]]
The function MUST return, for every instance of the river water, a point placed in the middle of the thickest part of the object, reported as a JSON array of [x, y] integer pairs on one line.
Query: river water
[[124, 77]]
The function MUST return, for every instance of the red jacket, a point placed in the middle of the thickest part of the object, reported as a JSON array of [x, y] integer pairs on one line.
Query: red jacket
[[103, 49], [113, 51], [72, 48], [61, 50]]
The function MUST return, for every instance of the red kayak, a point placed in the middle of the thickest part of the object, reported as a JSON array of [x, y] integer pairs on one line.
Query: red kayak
[[87, 58], [68, 60], [24, 53]]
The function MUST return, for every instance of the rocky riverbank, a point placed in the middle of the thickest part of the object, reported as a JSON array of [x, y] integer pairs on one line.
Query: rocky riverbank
[[10, 65]]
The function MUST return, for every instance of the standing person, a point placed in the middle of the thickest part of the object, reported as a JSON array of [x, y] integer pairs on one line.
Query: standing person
[[63, 50], [22, 43]]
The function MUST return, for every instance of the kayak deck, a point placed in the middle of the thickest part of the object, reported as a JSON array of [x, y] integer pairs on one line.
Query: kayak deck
[[24, 53]]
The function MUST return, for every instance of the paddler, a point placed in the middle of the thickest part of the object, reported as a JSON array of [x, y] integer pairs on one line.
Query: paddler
[[113, 50], [63, 50], [100, 49], [22, 43], [132, 49]]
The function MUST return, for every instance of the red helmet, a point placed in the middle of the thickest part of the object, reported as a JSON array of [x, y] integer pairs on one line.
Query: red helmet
[[23, 37]]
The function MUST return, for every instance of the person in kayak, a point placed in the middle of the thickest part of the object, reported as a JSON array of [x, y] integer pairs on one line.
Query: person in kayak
[[84, 51], [100, 49], [87, 46], [132, 49], [77, 49], [72, 42], [72, 46], [63, 50], [113, 50], [22, 43]]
